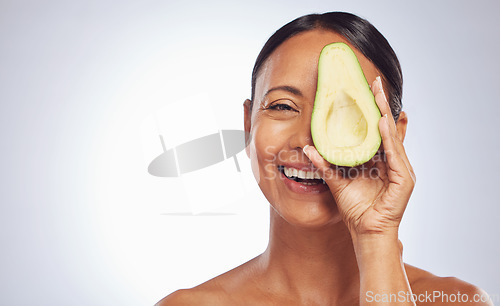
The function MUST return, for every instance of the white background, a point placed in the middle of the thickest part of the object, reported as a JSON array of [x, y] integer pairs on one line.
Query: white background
[[82, 222]]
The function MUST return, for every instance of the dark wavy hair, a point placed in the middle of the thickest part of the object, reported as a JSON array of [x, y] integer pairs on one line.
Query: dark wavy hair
[[360, 33]]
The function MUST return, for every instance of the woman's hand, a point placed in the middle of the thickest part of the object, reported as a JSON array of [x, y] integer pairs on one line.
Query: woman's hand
[[372, 197]]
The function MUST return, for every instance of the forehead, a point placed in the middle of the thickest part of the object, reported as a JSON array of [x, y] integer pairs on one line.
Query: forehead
[[295, 63]]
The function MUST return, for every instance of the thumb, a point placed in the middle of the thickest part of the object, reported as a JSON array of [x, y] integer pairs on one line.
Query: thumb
[[333, 176]]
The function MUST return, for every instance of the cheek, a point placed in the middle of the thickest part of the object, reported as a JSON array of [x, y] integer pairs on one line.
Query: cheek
[[263, 153], [268, 140]]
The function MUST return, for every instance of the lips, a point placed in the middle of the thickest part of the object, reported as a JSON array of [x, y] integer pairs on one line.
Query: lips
[[302, 179]]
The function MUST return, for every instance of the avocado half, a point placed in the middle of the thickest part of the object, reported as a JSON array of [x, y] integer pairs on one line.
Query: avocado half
[[344, 123]]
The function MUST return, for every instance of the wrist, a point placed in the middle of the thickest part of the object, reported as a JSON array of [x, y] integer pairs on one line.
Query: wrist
[[372, 227], [377, 248], [373, 238]]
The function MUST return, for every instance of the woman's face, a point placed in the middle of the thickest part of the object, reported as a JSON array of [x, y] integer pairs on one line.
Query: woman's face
[[279, 126]]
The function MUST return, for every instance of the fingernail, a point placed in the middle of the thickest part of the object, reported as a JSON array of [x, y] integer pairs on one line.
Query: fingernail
[[379, 79], [387, 121], [304, 149], [381, 87]]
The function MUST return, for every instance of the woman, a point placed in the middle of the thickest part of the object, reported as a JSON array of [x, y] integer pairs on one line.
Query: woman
[[331, 243]]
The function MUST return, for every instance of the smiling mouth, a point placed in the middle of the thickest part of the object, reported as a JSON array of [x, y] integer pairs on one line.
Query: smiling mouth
[[301, 176]]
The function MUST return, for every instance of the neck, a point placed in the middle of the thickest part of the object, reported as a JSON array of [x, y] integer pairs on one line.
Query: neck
[[309, 263]]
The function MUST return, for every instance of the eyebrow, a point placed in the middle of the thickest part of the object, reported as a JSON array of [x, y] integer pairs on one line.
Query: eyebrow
[[290, 89]]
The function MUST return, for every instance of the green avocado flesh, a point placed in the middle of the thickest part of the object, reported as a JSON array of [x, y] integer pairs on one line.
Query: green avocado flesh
[[345, 117]]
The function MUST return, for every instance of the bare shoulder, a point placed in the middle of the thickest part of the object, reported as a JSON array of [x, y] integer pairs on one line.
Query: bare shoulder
[[430, 289], [193, 296], [229, 288]]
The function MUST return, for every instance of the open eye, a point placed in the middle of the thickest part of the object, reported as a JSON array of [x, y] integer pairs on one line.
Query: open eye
[[281, 107]]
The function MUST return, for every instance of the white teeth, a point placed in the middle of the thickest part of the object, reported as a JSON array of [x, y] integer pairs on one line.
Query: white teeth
[[292, 172]]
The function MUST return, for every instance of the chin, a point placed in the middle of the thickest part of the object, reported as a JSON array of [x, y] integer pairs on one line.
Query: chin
[[308, 215]]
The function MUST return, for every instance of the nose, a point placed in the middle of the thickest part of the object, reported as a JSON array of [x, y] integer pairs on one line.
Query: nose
[[301, 135]]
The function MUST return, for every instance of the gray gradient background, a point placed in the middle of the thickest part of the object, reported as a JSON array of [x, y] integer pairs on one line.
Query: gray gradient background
[[68, 111]]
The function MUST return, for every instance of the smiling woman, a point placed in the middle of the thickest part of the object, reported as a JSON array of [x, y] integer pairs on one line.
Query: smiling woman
[[334, 231]]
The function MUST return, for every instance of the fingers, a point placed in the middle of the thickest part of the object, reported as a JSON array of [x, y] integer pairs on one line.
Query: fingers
[[398, 171], [385, 109], [382, 103], [318, 161], [331, 176], [315, 157]]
